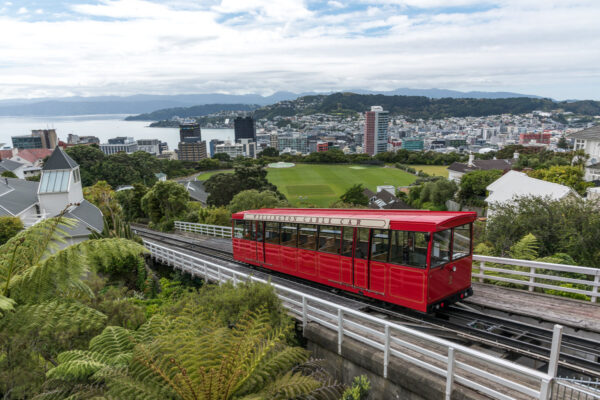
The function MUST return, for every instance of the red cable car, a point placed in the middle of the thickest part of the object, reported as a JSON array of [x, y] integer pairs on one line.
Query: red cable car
[[414, 258]]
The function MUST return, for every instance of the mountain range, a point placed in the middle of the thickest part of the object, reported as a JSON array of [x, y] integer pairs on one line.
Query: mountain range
[[143, 103]]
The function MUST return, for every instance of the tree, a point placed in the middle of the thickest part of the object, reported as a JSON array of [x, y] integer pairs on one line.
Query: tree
[[40, 289], [253, 199], [269, 152], [165, 201], [355, 195], [9, 227], [102, 196], [564, 175], [473, 186], [221, 157], [562, 143], [8, 174], [131, 202], [88, 158], [214, 216]]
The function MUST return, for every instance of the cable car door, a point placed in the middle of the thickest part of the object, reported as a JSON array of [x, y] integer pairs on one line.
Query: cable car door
[[260, 241], [361, 258]]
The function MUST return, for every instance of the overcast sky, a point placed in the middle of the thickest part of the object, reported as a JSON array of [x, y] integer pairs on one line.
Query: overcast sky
[[122, 47]]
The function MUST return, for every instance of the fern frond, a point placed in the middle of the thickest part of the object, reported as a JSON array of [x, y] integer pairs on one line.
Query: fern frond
[[113, 342], [289, 386], [6, 305]]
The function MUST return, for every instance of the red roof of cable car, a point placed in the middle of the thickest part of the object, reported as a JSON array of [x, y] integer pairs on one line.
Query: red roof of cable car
[[416, 220]]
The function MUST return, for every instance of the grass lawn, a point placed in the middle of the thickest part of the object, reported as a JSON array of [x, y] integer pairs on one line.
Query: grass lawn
[[322, 184], [208, 174], [437, 170]]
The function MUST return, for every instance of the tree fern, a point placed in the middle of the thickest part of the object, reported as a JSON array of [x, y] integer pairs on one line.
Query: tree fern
[[526, 248]]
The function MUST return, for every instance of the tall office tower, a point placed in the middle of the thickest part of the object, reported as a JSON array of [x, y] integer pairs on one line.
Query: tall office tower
[[48, 136], [190, 131], [244, 128], [376, 131]]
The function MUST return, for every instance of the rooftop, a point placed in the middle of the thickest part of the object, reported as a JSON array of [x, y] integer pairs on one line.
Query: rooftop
[[587, 134], [59, 160]]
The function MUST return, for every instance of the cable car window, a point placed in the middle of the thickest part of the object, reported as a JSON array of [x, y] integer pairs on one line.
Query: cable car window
[[289, 235], [259, 231], [362, 243], [329, 239], [461, 241], [409, 248], [249, 230], [307, 237], [347, 241], [272, 232], [238, 228], [440, 251], [380, 245]]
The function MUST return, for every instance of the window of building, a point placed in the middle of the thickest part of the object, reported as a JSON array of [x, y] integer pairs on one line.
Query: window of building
[[409, 248], [238, 228], [76, 176], [329, 239], [362, 243], [347, 241], [440, 251], [249, 230], [289, 235], [260, 226], [54, 182], [380, 245], [307, 237], [461, 241], [272, 232]]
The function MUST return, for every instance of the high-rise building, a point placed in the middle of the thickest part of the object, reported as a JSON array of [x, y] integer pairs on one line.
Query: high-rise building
[[244, 128], [151, 146], [119, 144], [39, 139], [192, 151], [48, 136], [190, 132], [376, 131]]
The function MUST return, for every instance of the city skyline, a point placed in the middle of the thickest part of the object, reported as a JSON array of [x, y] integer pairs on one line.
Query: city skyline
[[125, 47]]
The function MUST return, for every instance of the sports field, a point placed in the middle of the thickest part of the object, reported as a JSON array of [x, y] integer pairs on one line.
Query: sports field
[[437, 170], [322, 184]]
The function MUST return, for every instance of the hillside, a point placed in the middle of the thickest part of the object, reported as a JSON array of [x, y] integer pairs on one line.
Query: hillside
[[420, 106], [187, 112]]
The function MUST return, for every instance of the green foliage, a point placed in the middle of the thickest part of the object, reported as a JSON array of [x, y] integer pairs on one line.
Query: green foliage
[[269, 152], [359, 390], [165, 201], [34, 178], [526, 248], [562, 143], [432, 193], [131, 202], [355, 195], [564, 175], [473, 186], [8, 174], [214, 216], [221, 157], [253, 199], [9, 227]]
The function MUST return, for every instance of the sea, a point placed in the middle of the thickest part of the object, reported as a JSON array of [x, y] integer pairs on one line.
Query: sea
[[102, 126]]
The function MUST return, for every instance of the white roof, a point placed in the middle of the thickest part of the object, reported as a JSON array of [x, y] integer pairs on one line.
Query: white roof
[[516, 184]]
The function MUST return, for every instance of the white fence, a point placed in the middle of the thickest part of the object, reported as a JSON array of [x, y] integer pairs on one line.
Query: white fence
[[495, 377], [532, 274]]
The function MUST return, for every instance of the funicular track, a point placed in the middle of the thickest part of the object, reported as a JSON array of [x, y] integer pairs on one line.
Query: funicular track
[[514, 338]]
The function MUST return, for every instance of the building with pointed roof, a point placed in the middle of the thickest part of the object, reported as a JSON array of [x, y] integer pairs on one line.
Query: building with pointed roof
[[59, 190]]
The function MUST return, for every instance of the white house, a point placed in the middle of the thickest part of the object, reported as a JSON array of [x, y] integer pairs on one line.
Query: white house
[[59, 190], [588, 140], [518, 184], [456, 170]]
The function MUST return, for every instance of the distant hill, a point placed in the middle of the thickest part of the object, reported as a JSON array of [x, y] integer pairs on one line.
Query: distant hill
[[195, 111], [143, 103], [420, 106]]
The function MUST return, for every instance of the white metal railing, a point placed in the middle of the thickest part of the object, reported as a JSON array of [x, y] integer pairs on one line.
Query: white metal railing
[[536, 274], [500, 270], [204, 229], [493, 376]]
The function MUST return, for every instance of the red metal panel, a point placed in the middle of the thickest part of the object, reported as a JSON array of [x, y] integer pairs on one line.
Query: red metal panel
[[288, 259], [346, 270], [407, 285], [272, 259], [377, 278], [307, 263], [329, 267], [360, 273], [444, 281]]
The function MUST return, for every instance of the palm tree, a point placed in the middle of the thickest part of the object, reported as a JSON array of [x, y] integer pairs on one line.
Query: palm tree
[[40, 283]]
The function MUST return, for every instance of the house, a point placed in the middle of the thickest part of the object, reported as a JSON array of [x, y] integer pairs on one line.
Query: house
[[32, 159], [384, 200], [59, 190], [588, 140], [161, 176], [515, 184], [12, 166], [457, 170]]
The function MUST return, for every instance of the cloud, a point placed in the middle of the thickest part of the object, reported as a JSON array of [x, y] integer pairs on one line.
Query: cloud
[[22, 10], [239, 46]]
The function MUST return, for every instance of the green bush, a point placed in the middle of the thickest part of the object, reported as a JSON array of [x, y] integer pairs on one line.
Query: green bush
[[9, 227], [359, 389]]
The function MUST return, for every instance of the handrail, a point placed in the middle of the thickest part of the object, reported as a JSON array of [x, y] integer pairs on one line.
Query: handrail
[[532, 280], [391, 338]]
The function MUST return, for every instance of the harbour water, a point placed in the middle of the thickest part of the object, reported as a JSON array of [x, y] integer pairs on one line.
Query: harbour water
[[102, 126]]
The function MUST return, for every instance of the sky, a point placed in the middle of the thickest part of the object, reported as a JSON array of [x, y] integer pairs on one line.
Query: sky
[[55, 48]]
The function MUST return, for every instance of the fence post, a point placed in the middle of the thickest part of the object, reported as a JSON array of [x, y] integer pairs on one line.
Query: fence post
[[595, 288], [545, 390], [555, 351], [531, 278], [304, 314], [386, 351], [340, 330], [481, 270], [450, 373]]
